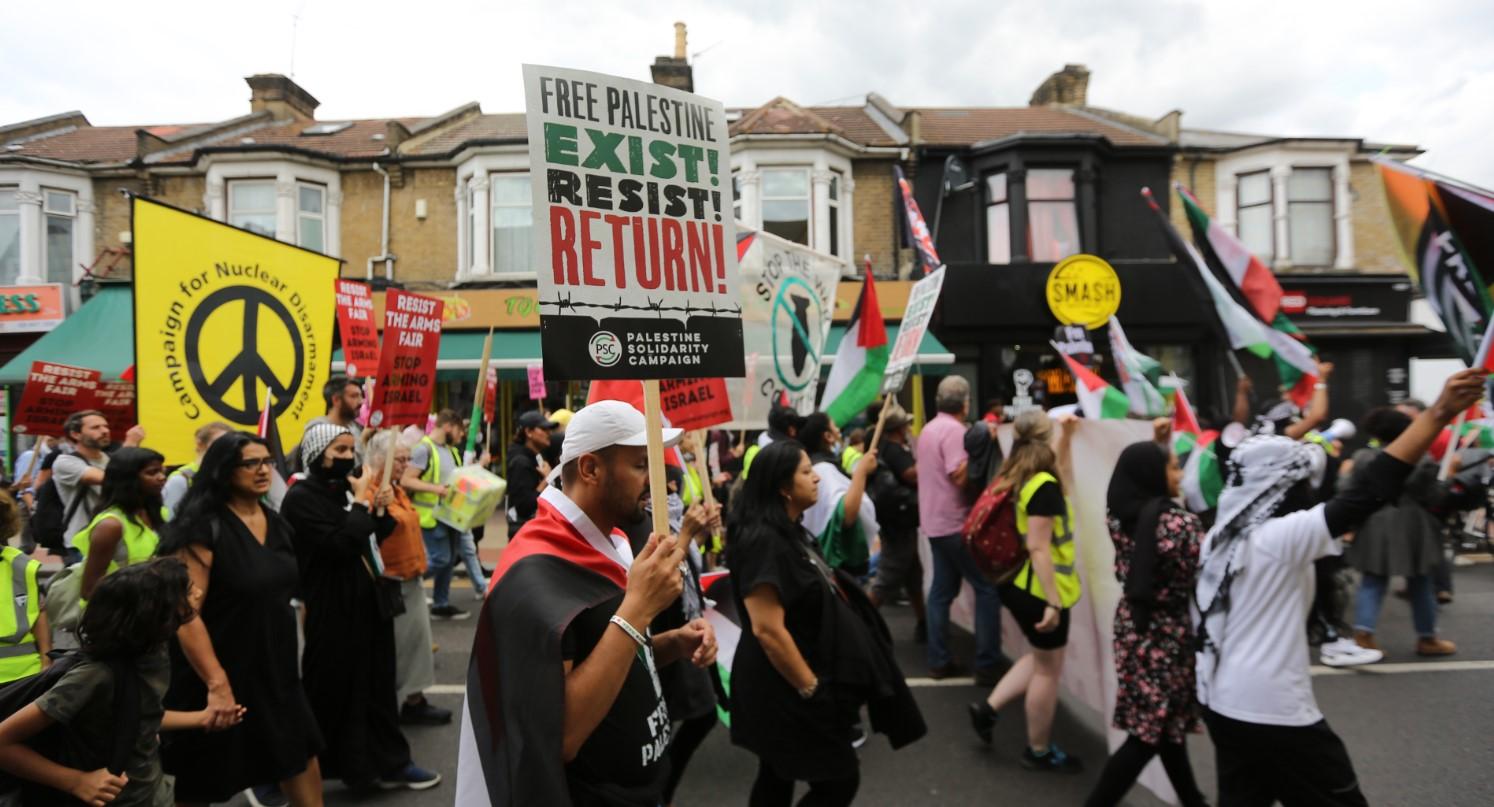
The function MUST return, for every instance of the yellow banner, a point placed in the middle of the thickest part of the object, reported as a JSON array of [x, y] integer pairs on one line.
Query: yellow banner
[[223, 318]]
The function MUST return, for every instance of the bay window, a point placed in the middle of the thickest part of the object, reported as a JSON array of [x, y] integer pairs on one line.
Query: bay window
[[311, 216], [833, 200], [60, 209], [1310, 216], [998, 220], [786, 203], [10, 236], [251, 205], [513, 223], [1052, 215], [1255, 203]]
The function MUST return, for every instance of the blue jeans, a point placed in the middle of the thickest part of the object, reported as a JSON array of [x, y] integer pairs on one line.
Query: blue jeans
[[952, 564], [441, 550], [1371, 597], [474, 566]]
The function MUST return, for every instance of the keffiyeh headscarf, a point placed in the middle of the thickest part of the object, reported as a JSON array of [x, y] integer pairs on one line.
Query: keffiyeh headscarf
[[318, 436], [1262, 470]]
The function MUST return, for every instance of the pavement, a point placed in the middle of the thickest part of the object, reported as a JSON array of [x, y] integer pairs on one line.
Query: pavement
[[1419, 731]]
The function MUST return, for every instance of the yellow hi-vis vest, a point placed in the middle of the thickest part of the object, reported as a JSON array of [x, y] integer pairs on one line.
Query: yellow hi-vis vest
[[1061, 548], [19, 656], [691, 491], [425, 503], [137, 546]]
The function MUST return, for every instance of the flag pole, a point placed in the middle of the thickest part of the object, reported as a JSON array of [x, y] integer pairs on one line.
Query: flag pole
[[1445, 469], [470, 454], [881, 421], [653, 414]]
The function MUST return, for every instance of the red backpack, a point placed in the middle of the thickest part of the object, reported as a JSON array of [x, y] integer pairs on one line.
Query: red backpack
[[991, 536]]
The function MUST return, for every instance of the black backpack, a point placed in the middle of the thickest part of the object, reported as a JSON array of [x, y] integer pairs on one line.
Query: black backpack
[[896, 503], [984, 461], [16, 695], [48, 524]]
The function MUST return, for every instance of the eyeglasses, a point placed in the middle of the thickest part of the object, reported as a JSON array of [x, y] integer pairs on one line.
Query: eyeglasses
[[256, 464]]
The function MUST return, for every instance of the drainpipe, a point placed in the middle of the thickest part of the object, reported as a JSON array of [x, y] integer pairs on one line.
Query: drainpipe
[[384, 256]]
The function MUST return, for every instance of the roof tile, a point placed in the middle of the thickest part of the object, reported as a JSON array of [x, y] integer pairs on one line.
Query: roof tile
[[957, 126]]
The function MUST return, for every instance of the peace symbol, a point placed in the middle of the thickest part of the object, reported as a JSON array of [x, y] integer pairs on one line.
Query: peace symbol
[[248, 367], [798, 310]]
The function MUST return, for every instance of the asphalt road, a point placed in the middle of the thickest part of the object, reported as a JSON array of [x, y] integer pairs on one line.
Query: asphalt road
[[1419, 732]]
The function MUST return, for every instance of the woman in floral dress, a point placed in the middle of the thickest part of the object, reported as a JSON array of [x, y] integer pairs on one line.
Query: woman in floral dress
[[1156, 561]]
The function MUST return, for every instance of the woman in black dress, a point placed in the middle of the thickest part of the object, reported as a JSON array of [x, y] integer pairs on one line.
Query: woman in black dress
[[242, 649], [812, 650], [349, 661]]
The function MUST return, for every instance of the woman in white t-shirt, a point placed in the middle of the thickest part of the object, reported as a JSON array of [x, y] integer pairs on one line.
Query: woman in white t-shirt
[[1254, 592]]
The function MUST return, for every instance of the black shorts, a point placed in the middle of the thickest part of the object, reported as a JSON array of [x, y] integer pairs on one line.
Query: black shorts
[[1028, 610]]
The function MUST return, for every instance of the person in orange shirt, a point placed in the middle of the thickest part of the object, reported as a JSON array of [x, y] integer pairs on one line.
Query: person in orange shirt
[[403, 554]]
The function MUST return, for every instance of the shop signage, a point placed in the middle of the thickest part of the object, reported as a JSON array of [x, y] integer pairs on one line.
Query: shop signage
[[224, 320], [1083, 290], [634, 234], [407, 361], [1349, 301], [30, 308]]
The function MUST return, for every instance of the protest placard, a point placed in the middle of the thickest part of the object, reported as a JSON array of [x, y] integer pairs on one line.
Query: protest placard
[[920, 309], [407, 360], [355, 323], [633, 235], [788, 302], [536, 374], [116, 399], [695, 403], [54, 391], [490, 396]]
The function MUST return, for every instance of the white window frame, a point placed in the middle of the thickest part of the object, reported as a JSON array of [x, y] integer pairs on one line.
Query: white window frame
[[31, 185], [288, 175], [233, 212], [15, 213], [808, 199], [48, 213], [474, 211], [1279, 160], [302, 215], [747, 165], [492, 208]]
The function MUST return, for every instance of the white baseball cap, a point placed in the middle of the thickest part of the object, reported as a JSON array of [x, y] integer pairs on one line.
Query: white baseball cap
[[608, 423]]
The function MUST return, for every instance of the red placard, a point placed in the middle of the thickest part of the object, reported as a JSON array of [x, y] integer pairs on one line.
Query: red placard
[[355, 322], [407, 360], [116, 399], [54, 391], [490, 397], [687, 403]]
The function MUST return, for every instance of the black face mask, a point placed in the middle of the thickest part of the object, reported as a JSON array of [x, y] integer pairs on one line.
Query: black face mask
[[340, 469]]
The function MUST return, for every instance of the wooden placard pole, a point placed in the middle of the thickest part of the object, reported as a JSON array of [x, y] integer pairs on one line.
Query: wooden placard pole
[[881, 421], [658, 491], [389, 463], [704, 472], [1445, 470]]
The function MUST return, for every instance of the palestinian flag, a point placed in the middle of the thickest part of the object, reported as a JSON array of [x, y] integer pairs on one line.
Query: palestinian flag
[[1245, 332], [1139, 374], [1484, 359], [728, 627], [1185, 429], [1228, 257], [270, 433], [1203, 478], [1249, 273], [1097, 399], [860, 361]]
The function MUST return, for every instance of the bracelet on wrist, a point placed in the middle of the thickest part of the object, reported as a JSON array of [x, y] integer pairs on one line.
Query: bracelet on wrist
[[633, 633]]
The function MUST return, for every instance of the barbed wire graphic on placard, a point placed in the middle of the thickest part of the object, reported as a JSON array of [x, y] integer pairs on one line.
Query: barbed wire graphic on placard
[[563, 303]]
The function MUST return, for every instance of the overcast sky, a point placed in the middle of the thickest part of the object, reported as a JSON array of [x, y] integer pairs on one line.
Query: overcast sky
[[1419, 73]]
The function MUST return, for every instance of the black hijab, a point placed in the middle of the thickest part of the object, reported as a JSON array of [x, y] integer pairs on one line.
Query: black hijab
[[1137, 498]]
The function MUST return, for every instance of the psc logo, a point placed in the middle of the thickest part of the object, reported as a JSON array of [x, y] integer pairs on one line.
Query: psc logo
[[605, 348]]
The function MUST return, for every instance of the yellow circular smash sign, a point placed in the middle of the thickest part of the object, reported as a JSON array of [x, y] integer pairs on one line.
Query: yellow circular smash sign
[[1083, 290]]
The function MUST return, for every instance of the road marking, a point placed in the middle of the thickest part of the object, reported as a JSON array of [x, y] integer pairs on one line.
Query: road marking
[[1407, 667]]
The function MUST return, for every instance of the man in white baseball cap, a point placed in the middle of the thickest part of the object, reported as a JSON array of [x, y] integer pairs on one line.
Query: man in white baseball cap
[[564, 645]]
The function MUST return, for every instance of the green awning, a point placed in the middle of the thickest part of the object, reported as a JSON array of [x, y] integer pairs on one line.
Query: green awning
[[99, 336], [930, 350]]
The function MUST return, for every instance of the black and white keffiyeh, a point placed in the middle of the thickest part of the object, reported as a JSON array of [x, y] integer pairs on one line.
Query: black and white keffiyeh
[[1260, 473]]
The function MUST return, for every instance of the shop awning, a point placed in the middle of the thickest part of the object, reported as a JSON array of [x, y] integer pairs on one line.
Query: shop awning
[[99, 336], [930, 350]]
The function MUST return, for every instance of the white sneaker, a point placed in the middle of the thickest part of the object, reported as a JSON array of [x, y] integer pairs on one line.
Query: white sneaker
[[1346, 652]]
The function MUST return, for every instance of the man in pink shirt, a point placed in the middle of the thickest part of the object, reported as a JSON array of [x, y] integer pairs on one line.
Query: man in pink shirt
[[942, 507]]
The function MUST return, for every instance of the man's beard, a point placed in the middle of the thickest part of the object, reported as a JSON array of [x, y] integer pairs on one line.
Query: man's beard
[[95, 445]]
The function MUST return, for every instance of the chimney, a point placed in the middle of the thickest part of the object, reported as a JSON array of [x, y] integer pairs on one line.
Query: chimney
[[1067, 87], [674, 71], [281, 97]]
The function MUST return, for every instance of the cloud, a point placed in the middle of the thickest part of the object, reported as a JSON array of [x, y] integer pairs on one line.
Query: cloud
[[1374, 69]]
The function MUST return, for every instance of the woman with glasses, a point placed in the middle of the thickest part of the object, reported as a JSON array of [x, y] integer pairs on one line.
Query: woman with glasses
[[241, 651]]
